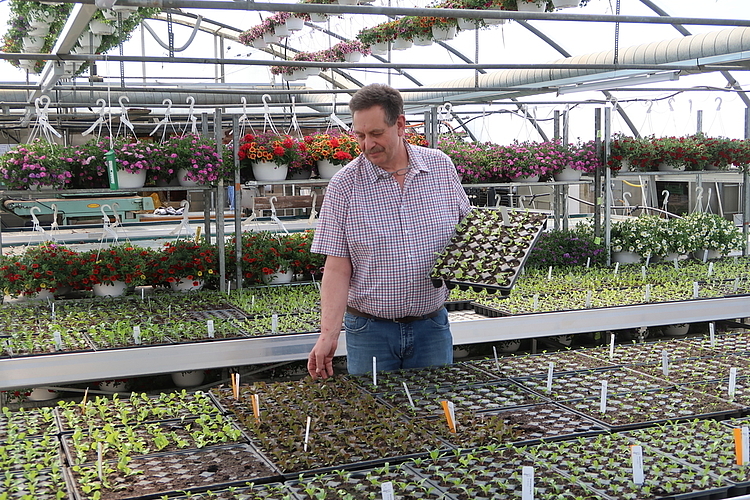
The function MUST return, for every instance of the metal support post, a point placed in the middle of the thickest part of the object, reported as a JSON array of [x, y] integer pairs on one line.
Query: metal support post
[[237, 202], [220, 207], [699, 121], [598, 172], [746, 191], [607, 181], [431, 126], [556, 122]]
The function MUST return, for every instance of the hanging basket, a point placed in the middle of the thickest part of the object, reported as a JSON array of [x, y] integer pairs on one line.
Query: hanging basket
[[268, 171], [114, 289], [422, 42], [127, 180], [353, 57], [280, 30], [279, 277], [318, 17], [327, 170], [441, 33], [567, 174], [294, 23], [101, 28], [401, 44], [182, 178], [186, 285], [379, 49], [467, 24], [565, 4], [524, 6], [493, 21], [626, 257]]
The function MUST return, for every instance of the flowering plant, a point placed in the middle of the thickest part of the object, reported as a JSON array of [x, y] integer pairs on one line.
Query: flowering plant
[[88, 165], [38, 163], [642, 235], [582, 156], [196, 155], [339, 51], [336, 147], [572, 247], [639, 152], [137, 156], [416, 139], [712, 232], [277, 148], [183, 259], [44, 267], [121, 262]]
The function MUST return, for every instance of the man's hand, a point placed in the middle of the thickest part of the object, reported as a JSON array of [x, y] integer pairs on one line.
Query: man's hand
[[320, 360]]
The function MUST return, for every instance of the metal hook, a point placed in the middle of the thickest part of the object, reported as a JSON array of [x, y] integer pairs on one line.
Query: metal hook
[[718, 107], [115, 206], [35, 222], [650, 105], [669, 102], [665, 202], [273, 208], [313, 212], [698, 199]]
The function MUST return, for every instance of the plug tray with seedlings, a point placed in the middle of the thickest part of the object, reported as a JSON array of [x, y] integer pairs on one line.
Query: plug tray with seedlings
[[457, 374], [488, 250], [529, 365]]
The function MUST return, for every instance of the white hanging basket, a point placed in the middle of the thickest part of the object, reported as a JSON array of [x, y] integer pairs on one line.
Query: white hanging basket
[[182, 178], [401, 44], [565, 4], [90, 41], [32, 43], [567, 174], [114, 289], [664, 167], [422, 42], [626, 257], [190, 378], [295, 23], [270, 38], [280, 30], [268, 171], [347, 2], [524, 6], [279, 277], [39, 31], [467, 24], [326, 169], [101, 28], [441, 33], [379, 49], [353, 57], [494, 21], [259, 43], [186, 285], [127, 180], [318, 17]]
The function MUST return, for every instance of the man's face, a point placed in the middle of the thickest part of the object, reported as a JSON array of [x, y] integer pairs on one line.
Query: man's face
[[378, 141]]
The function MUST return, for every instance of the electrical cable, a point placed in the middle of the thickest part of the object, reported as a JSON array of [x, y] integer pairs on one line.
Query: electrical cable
[[165, 45]]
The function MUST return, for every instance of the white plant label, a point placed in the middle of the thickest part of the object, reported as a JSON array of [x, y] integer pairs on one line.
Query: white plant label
[[648, 261], [550, 371], [611, 346], [99, 458], [274, 323], [732, 382], [636, 455], [58, 340], [588, 262], [676, 264], [143, 293], [617, 268], [536, 302], [252, 301], [705, 255], [710, 268], [210, 328], [696, 289], [386, 490], [52, 306], [643, 272], [408, 395], [665, 362], [647, 294], [549, 273], [527, 483], [374, 371], [589, 294], [736, 284], [745, 444], [712, 334], [137, 335], [504, 215], [497, 361], [603, 398], [307, 434]]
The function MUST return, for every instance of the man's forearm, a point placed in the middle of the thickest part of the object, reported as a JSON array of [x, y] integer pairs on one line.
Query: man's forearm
[[333, 295]]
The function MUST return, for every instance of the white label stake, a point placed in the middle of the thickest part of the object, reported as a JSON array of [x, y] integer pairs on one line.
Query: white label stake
[[736, 284], [497, 361], [665, 362], [550, 371], [636, 455], [527, 483], [589, 294], [374, 371], [647, 295], [588, 262], [696, 289], [137, 335], [617, 268], [99, 458], [274, 323], [603, 398], [710, 268], [712, 334], [643, 272], [58, 340], [386, 490], [408, 395], [549, 273], [611, 346], [307, 434], [210, 328], [143, 293], [745, 444], [676, 264], [732, 382], [536, 302], [53, 311]]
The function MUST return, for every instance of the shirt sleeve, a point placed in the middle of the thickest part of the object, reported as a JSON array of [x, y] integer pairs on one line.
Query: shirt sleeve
[[330, 234]]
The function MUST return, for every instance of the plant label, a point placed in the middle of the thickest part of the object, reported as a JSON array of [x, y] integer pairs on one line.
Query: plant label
[[589, 294], [710, 269], [274, 323], [636, 456], [611, 345], [497, 361], [648, 261], [588, 262], [603, 398], [665, 362], [536, 302], [741, 447], [210, 328], [550, 371], [504, 215], [450, 414], [643, 272], [696, 289], [549, 273], [255, 400], [307, 434], [386, 490], [99, 457], [617, 268], [705, 255], [374, 371], [137, 335], [732, 382], [57, 340], [52, 308], [712, 335], [408, 395], [736, 284], [647, 294], [527, 483], [676, 264], [143, 293]]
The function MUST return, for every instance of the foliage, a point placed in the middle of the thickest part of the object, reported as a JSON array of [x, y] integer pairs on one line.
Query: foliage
[[562, 248], [712, 232], [44, 267], [198, 156], [336, 147], [641, 235], [183, 259], [121, 262], [40, 163], [281, 149]]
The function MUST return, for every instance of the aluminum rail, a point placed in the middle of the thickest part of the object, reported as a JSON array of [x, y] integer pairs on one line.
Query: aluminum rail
[[76, 367], [416, 11]]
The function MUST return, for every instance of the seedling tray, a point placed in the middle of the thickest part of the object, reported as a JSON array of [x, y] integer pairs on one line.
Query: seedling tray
[[456, 374], [529, 365], [47, 485], [487, 252], [31, 421]]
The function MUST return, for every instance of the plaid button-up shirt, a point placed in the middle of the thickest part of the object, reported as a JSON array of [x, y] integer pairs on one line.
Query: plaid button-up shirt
[[392, 235]]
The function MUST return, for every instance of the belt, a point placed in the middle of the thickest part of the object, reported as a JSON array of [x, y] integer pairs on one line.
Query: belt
[[405, 319]]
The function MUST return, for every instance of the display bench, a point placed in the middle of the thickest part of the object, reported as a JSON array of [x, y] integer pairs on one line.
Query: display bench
[[65, 368]]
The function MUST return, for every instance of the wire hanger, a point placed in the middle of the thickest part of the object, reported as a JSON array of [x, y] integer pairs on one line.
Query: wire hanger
[[124, 120], [313, 212], [107, 231], [184, 225], [267, 115], [274, 217], [42, 125], [100, 121], [192, 120], [335, 121], [166, 121], [36, 228]]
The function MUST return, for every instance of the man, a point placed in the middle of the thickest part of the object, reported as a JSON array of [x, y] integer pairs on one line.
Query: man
[[385, 217]]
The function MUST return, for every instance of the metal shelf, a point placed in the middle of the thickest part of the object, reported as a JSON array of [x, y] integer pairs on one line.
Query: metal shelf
[[75, 367]]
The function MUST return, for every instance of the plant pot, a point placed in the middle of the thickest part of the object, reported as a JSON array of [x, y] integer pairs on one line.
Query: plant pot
[[491, 22], [422, 42], [42, 394], [189, 378], [626, 257], [101, 28], [114, 386], [467, 24], [509, 346], [347, 2], [186, 285], [42, 295], [268, 171], [280, 30], [39, 31], [526, 179], [567, 175], [296, 75], [706, 254], [32, 43], [300, 175], [318, 17], [9, 299], [259, 43], [565, 4], [379, 49], [109, 15], [524, 6], [279, 277], [114, 289], [353, 57], [127, 180], [401, 44], [90, 41], [441, 33], [327, 170], [676, 330], [565, 340], [183, 180], [664, 167], [270, 38], [295, 23]]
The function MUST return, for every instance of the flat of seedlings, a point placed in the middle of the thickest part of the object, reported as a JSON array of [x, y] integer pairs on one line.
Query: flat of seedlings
[[270, 491], [720, 389], [637, 409], [136, 409], [497, 475], [646, 352], [603, 462], [456, 374], [162, 474], [228, 313], [24, 454], [282, 324], [529, 365], [32, 342], [587, 384], [732, 343], [28, 422], [471, 398], [681, 371], [706, 445], [44, 484], [488, 249]]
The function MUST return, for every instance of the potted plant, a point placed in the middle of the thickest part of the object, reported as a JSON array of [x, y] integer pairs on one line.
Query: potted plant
[[637, 237], [270, 154], [183, 264], [193, 160], [39, 164], [580, 158], [111, 271], [331, 151], [134, 160], [711, 235], [632, 153]]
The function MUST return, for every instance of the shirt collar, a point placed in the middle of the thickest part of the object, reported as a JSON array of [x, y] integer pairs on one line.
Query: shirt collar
[[372, 171]]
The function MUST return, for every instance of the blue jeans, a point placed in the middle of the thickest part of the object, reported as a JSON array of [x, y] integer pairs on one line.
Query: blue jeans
[[418, 344]]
